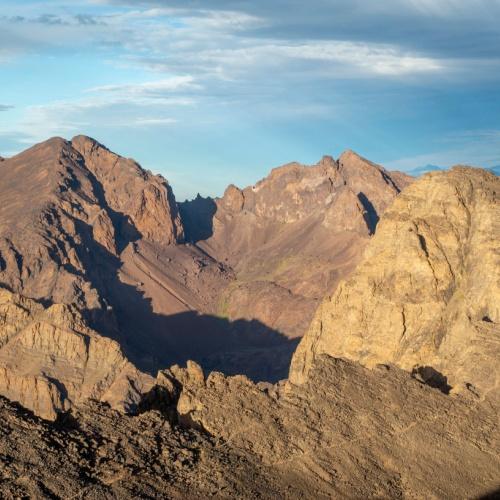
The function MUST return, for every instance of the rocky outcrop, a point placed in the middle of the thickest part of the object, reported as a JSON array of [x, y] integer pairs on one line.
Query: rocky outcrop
[[50, 360], [426, 295], [348, 431], [293, 236]]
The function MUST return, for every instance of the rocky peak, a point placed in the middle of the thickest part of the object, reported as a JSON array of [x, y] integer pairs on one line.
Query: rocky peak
[[233, 199], [69, 207], [129, 189], [426, 294], [328, 161], [353, 166], [294, 191]]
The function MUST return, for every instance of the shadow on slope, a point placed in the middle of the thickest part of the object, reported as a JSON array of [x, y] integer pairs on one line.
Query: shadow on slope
[[154, 341], [371, 216], [197, 218], [492, 495]]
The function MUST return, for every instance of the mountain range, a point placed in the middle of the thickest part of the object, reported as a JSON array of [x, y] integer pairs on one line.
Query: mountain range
[[338, 323]]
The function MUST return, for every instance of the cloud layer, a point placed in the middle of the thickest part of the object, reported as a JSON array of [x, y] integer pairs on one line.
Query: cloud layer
[[394, 77]]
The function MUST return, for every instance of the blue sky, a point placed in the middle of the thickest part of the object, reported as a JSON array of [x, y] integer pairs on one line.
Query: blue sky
[[212, 92]]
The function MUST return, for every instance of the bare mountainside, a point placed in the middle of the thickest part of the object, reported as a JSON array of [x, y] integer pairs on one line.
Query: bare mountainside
[[424, 297], [348, 432], [293, 236]]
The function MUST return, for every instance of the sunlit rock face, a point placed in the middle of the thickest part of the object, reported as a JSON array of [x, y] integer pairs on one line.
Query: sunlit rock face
[[426, 295], [50, 360]]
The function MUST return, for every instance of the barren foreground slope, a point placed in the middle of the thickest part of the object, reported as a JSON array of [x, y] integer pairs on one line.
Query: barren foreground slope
[[348, 432]]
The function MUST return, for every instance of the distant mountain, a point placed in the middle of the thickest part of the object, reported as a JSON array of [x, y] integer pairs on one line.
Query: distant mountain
[[292, 236], [418, 171]]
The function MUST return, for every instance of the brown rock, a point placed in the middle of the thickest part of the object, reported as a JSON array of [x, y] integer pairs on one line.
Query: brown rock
[[60, 202], [293, 236], [353, 432], [233, 199], [348, 432], [128, 189]]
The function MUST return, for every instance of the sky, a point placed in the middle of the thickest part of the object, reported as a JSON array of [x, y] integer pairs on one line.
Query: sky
[[213, 92]]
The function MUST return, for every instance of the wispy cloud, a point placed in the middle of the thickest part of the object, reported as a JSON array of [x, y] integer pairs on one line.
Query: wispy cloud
[[54, 20], [5, 107], [152, 88], [64, 118], [148, 122], [340, 58]]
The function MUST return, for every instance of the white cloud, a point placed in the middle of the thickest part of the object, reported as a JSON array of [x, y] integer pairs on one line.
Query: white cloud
[[8, 55], [371, 58], [450, 8], [329, 59], [146, 122], [64, 118]]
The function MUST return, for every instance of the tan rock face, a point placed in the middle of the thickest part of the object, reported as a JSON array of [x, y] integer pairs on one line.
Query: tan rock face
[[348, 431], [50, 360], [426, 295]]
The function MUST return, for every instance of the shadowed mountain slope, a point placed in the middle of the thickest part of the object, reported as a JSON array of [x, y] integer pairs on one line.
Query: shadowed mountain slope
[[83, 227]]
